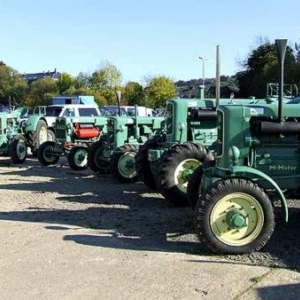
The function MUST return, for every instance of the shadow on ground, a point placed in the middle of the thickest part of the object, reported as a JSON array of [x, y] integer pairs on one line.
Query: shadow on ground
[[130, 216]]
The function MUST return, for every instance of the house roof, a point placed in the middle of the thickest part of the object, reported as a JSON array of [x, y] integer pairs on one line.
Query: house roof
[[35, 76]]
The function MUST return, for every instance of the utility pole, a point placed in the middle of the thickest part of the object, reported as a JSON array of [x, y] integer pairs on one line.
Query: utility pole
[[203, 70]]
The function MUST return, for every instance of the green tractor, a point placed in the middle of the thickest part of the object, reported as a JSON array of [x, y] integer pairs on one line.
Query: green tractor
[[257, 161], [74, 137], [116, 152], [12, 140], [167, 161]]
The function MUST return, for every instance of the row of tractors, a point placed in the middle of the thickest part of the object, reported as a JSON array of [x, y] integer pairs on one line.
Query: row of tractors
[[228, 159]]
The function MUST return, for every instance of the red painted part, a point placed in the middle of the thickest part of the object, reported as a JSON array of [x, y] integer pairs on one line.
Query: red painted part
[[86, 133]]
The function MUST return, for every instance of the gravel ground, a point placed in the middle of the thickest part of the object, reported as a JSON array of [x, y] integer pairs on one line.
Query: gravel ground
[[136, 217]]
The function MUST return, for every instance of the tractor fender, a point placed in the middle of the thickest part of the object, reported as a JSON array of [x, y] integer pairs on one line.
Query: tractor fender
[[32, 122], [249, 170]]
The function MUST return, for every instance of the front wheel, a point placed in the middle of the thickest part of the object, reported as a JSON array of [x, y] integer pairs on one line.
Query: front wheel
[[99, 156], [18, 150], [78, 158], [122, 164], [45, 154], [175, 167], [234, 216]]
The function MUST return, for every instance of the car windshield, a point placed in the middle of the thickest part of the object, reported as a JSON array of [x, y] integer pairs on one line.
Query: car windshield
[[114, 110], [53, 111]]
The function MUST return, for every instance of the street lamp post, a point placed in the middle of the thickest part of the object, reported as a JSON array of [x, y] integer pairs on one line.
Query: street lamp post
[[203, 70]]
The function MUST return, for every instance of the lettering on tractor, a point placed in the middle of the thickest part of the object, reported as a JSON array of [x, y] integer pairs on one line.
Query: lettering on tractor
[[282, 168]]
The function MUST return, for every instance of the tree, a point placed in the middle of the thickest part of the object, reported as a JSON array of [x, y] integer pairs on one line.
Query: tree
[[106, 80], [134, 93], [64, 83], [158, 91], [12, 86], [41, 92], [83, 80], [261, 67]]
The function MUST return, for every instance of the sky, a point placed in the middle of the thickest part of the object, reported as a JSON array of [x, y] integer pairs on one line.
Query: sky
[[141, 38]]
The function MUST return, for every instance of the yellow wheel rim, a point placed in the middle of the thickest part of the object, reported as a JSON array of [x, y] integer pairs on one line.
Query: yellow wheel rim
[[183, 172], [237, 219]]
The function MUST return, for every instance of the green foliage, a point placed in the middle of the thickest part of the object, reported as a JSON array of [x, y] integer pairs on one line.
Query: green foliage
[[106, 80], [64, 83], [108, 76], [83, 80], [99, 98], [12, 86], [41, 92], [261, 67], [134, 94], [18, 91], [158, 91]]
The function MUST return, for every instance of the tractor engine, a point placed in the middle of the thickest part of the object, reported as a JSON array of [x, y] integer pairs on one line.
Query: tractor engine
[[253, 136], [76, 129]]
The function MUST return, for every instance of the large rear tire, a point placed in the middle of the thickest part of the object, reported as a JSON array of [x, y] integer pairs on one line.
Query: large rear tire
[[122, 164], [44, 154], [176, 166], [51, 135], [78, 158], [38, 137], [234, 216], [18, 150]]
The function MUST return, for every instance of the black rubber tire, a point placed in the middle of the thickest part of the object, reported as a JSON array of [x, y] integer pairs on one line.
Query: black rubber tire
[[168, 164], [72, 158], [142, 163], [205, 208], [194, 186], [35, 137], [114, 163], [95, 163], [18, 150], [44, 154]]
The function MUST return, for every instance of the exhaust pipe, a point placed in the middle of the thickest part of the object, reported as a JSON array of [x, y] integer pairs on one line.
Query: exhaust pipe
[[281, 48], [119, 96], [217, 77]]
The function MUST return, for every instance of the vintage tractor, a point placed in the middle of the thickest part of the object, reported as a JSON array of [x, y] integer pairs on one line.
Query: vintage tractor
[[12, 140], [40, 125], [166, 161], [257, 161], [116, 153], [73, 139]]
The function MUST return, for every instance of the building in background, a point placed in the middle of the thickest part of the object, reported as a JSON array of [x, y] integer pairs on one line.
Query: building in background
[[30, 77]]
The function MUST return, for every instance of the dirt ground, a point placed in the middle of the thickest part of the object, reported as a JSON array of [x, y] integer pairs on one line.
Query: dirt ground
[[76, 235]]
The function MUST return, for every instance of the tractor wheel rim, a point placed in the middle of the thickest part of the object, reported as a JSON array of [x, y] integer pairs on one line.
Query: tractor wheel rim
[[126, 165], [48, 157], [43, 135], [21, 149], [183, 171], [81, 158], [237, 219]]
